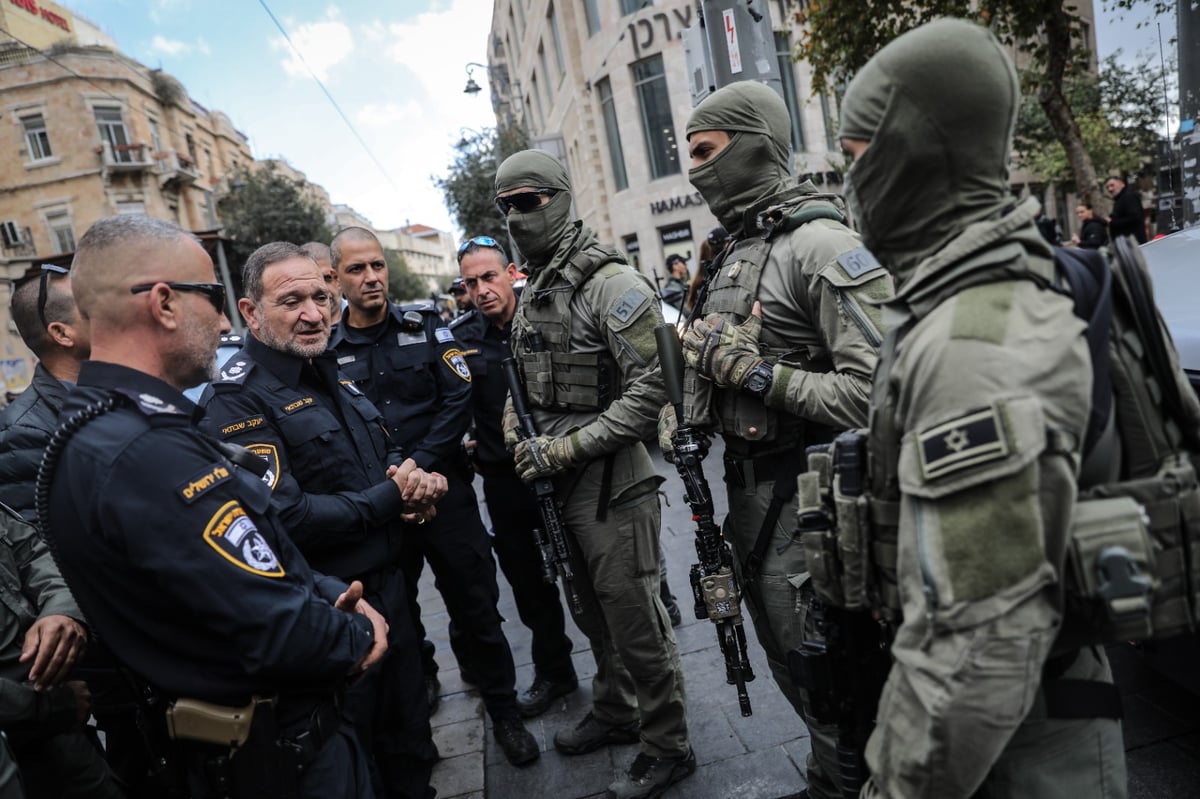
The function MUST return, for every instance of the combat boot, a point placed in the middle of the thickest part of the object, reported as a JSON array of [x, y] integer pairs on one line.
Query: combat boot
[[519, 745], [537, 698], [650, 777], [591, 734]]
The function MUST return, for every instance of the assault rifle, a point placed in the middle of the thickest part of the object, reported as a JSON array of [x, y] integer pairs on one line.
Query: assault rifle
[[714, 585], [552, 540]]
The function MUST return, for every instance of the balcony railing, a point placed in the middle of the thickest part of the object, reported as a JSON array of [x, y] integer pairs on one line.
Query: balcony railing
[[176, 167], [125, 157]]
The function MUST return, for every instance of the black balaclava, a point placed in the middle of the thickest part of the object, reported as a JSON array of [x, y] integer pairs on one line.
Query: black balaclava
[[939, 106], [754, 165], [537, 233]]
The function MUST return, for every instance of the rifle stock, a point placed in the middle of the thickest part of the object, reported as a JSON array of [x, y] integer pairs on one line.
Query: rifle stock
[[714, 585], [552, 537]]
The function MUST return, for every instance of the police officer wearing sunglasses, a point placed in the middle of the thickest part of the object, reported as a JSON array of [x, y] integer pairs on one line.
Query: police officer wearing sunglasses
[[583, 336]]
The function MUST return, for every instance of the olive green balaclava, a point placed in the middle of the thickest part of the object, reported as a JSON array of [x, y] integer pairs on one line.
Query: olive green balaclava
[[538, 232], [938, 105], [754, 165]]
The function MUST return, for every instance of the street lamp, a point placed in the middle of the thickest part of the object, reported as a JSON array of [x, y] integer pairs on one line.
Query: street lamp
[[504, 91]]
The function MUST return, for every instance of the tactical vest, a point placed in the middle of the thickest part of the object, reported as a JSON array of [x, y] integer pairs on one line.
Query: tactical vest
[[731, 292], [556, 378], [1133, 550]]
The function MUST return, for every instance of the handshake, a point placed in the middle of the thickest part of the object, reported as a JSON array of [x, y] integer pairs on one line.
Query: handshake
[[420, 489]]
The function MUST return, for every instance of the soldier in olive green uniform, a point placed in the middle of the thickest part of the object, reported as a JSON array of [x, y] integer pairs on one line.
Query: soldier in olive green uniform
[[583, 335], [782, 360], [977, 413]]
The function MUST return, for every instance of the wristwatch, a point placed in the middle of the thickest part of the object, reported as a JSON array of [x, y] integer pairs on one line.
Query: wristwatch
[[758, 380]]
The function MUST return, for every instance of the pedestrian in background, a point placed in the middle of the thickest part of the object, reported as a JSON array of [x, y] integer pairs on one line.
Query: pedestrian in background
[[1127, 217]]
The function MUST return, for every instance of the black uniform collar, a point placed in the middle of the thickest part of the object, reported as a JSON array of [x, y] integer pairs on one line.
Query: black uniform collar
[[151, 394], [360, 335], [288, 367]]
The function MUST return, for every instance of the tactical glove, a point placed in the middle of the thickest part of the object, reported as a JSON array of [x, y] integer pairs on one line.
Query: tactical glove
[[722, 352], [543, 456], [510, 425]]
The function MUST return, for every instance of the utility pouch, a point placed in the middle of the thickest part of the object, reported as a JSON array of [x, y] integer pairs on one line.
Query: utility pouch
[[853, 514], [811, 665], [1112, 563], [206, 722], [817, 536], [539, 378]]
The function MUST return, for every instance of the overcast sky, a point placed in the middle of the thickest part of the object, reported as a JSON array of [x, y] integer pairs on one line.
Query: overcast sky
[[396, 68]]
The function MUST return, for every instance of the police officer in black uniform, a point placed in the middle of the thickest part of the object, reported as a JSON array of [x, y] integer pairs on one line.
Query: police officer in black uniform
[[170, 544], [335, 483], [483, 333], [407, 362]]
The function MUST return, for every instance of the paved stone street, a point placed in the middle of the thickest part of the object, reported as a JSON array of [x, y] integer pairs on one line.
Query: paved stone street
[[760, 757]]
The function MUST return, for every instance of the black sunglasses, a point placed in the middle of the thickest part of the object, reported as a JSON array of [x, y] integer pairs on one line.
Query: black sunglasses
[[476, 242], [524, 202], [214, 291], [44, 289]]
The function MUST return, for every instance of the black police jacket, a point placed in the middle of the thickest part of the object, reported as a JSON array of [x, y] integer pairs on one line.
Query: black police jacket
[[327, 453], [417, 376], [179, 562], [25, 429], [485, 346]]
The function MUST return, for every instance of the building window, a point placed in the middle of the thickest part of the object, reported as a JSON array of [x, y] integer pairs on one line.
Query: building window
[[633, 250], [155, 137], [37, 140], [191, 146], [592, 12], [546, 72], [657, 125], [112, 133], [827, 117], [61, 233], [556, 40], [632, 6], [783, 51], [537, 103], [615, 154]]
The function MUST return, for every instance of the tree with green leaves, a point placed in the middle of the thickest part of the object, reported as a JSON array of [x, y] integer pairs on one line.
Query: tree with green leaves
[[469, 183], [403, 285], [265, 205], [837, 38], [1119, 113]]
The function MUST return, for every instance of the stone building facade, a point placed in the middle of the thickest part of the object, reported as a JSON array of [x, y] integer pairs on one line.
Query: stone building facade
[[603, 84]]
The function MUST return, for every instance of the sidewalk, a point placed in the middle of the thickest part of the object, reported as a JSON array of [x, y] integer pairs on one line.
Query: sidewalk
[[760, 757]]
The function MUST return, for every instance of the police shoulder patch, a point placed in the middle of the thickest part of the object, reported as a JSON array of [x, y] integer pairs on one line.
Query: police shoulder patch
[[203, 482], [270, 454], [243, 425], [235, 537], [457, 363], [629, 304], [858, 262], [443, 335], [972, 439]]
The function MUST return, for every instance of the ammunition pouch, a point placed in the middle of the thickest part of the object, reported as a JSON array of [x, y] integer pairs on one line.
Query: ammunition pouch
[[849, 538], [1133, 558], [566, 381]]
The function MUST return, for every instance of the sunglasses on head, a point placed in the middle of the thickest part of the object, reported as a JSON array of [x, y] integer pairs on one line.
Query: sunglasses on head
[[215, 292], [524, 202], [44, 288], [476, 242]]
